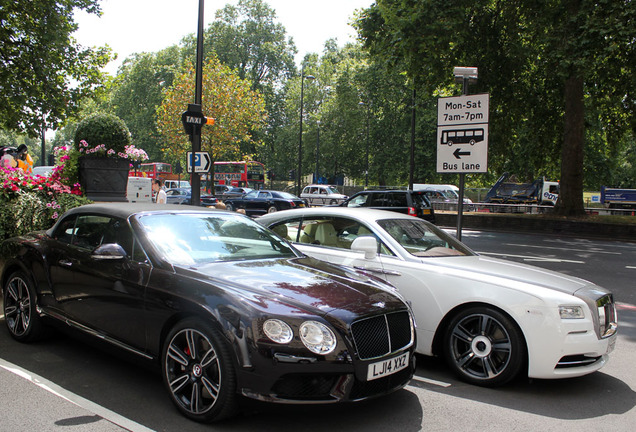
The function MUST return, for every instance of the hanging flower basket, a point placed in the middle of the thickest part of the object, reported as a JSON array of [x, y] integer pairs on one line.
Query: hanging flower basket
[[104, 179]]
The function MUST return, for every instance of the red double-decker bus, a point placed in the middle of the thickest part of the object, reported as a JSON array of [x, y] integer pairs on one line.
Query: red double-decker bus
[[152, 170], [249, 174]]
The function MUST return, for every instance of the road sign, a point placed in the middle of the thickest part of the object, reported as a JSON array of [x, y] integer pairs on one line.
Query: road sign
[[193, 119], [198, 162], [462, 134]]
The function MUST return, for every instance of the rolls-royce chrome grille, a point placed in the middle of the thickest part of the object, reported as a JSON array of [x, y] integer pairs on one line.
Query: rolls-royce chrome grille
[[380, 335]]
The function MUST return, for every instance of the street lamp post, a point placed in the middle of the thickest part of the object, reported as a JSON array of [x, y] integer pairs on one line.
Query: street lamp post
[[317, 150], [366, 172], [300, 138]]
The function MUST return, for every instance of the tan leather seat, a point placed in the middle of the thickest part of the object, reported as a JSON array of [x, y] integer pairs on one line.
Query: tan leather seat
[[326, 235]]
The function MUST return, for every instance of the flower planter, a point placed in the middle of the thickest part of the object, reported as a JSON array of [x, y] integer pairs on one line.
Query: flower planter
[[104, 178]]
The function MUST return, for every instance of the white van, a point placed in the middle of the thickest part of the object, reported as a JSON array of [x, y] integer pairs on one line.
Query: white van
[[139, 189], [173, 184]]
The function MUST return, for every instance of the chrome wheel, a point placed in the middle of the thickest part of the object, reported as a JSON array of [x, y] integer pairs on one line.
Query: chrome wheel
[[198, 373], [20, 312], [272, 209], [484, 347], [17, 306]]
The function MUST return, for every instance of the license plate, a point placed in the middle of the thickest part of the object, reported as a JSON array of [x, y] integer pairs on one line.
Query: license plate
[[387, 367], [426, 211], [301, 205]]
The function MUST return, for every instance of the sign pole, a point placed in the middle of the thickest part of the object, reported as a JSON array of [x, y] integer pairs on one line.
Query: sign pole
[[462, 181], [198, 92]]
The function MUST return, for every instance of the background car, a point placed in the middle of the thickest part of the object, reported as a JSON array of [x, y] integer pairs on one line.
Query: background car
[[491, 320], [412, 203], [260, 202], [220, 303], [319, 195], [44, 170], [234, 192], [184, 196]]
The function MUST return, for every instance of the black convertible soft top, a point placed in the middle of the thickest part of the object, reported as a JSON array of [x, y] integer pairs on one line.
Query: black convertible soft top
[[125, 210]]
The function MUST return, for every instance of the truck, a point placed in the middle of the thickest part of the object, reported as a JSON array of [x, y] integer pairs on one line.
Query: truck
[[618, 198], [540, 191]]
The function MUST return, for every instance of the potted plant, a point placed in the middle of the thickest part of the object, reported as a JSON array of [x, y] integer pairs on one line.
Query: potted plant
[[102, 157]]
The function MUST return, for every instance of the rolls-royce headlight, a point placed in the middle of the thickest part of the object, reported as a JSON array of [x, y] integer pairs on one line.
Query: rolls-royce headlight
[[278, 331], [571, 312], [317, 337]]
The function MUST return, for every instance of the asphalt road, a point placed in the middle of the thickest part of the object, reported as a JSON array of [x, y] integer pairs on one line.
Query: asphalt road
[[111, 392]]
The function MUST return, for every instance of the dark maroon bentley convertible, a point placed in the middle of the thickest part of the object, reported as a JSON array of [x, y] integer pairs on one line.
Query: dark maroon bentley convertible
[[225, 306]]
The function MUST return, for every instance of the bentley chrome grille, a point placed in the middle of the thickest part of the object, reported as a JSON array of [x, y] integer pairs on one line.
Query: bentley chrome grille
[[380, 335]]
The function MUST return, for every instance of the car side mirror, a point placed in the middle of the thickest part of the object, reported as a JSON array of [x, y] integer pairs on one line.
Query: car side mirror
[[366, 244], [109, 251]]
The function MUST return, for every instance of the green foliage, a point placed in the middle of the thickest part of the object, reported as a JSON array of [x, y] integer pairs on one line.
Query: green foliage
[[247, 38], [106, 129], [44, 73], [33, 203], [528, 56], [138, 92], [29, 212]]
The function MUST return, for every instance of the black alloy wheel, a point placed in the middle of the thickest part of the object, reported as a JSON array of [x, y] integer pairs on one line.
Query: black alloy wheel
[[20, 311], [198, 372], [484, 347]]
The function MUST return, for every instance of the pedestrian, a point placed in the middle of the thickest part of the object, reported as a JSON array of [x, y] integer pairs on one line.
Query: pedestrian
[[24, 160], [160, 194]]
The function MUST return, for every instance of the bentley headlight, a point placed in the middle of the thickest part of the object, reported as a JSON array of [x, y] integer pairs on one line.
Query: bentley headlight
[[278, 331], [571, 312], [317, 337]]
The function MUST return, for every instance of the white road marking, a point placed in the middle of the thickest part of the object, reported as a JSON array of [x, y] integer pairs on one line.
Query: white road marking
[[595, 250], [53, 388], [631, 267], [533, 258], [430, 381]]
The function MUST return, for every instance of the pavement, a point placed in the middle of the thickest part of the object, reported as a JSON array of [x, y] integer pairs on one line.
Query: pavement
[[32, 403], [539, 224]]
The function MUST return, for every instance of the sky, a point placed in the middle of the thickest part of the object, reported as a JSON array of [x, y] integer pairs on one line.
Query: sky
[[134, 26]]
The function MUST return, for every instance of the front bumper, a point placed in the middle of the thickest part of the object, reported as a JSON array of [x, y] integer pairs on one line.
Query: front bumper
[[322, 382]]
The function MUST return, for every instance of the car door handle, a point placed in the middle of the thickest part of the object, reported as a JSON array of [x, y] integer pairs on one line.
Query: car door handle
[[65, 263], [378, 270]]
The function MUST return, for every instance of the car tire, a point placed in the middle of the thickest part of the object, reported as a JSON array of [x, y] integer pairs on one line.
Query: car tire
[[198, 372], [272, 209], [229, 207], [20, 308], [333, 202], [484, 347]]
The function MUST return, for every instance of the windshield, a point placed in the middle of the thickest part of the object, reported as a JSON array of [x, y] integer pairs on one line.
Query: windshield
[[199, 238], [421, 239], [449, 193], [332, 190]]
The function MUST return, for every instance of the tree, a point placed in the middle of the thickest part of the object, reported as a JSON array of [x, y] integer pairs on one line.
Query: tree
[[247, 38], [44, 73], [542, 66], [138, 93], [237, 110]]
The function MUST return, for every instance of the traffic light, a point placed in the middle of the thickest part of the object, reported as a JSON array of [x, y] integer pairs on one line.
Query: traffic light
[[292, 174]]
